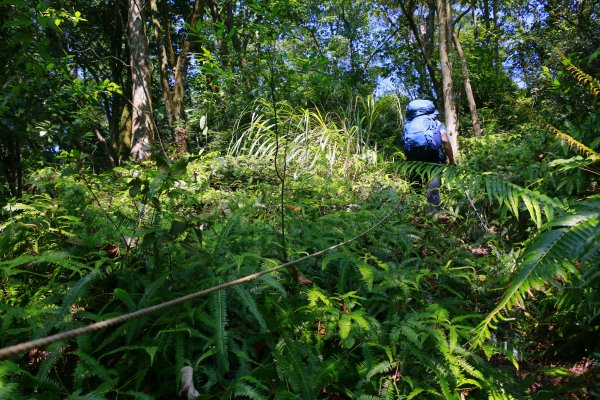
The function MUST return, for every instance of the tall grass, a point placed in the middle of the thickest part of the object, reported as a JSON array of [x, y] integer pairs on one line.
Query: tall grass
[[308, 138]]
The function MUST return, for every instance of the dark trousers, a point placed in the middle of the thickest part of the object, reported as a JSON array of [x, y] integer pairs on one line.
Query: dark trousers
[[433, 188]]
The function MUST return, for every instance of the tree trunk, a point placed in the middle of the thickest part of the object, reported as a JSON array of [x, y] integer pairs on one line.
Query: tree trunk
[[120, 75], [10, 162], [143, 128], [164, 64], [467, 83], [486, 21], [445, 33], [495, 29], [173, 96], [181, 68], [428, 37], [123, 145], [408, 13], [475, 22]]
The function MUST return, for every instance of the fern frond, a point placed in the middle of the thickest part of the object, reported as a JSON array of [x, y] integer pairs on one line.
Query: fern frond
[[580, 147], [286, 395], [53, 355], [60, 259], [125, 221], [90, 366], [243, 389], [499, 190], [88, 396], [381, 368], [219, 309], [547, 259], [250, 304], [77, 291], [581, 76], [138, 395], [291, 367], [10, 371], [226, 230]]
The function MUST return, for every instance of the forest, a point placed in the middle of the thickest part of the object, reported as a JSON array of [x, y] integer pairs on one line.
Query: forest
[[213, 199]]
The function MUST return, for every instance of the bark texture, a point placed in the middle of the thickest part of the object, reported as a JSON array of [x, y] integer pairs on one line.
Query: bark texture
[[143, 128], [445, 33]]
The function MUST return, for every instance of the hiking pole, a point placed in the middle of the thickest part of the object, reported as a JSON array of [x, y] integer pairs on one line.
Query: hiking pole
[[472, 203]]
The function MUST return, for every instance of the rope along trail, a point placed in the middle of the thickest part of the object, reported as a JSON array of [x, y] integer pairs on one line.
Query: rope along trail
[[10, 350]]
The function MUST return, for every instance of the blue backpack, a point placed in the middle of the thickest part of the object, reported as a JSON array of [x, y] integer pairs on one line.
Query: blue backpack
[[422, 130]]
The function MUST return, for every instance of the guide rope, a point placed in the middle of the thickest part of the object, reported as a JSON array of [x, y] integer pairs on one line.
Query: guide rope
[[11, 350]]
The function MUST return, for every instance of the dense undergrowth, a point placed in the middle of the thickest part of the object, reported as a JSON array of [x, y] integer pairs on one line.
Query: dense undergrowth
[[496, 298], [268, 146], [390, 315]]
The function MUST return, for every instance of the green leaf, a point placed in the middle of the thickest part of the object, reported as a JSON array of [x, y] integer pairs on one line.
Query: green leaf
[[344, 324], [125, 298]]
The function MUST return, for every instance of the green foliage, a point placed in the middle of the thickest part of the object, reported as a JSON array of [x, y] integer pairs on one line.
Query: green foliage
[[379, 318], [551, 257], [510, 196], [420, 308]]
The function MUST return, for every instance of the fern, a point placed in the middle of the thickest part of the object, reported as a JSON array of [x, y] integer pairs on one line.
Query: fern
[[89, 396], [504, 193], [10, 371], [219, 310], [244, 389], [548, 259], [581, 76], [289, 357], [226, 231], [77, 291], [53, 356], [138, 395], [250, 304], [383, 367], [89, 366], [60, 258], [589, 153]]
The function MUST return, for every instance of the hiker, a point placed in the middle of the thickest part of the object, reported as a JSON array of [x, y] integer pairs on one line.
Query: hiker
[[424, 138]]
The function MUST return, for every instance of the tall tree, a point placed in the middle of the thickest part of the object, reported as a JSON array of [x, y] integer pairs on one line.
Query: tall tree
[[174, 65], [467, 85], [425, 41], [444, 10], [143, 127]]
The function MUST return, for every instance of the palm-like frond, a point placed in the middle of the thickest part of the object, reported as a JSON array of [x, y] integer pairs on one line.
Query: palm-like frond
[[549, 258], [381, 368], [245, 390]]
